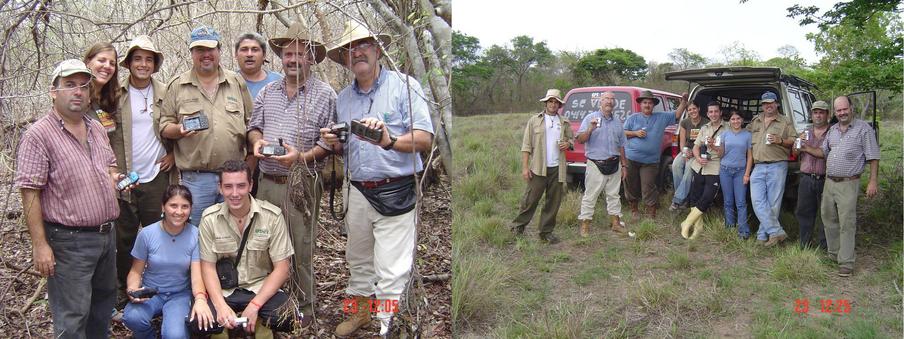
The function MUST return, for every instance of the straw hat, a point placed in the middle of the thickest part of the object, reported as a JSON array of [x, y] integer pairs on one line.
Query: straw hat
[[297, 32], [143, 42], [354, 31], [553, 94]]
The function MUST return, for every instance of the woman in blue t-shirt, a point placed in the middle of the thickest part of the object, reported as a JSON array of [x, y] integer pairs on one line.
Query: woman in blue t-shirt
[[734, 174], [166, 259]]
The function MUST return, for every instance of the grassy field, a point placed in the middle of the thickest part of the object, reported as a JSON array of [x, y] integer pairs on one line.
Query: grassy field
[[658, 284]]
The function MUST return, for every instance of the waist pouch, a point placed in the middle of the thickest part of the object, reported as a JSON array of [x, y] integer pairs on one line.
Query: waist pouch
[[392, 199], [226, 271], [607, 167]]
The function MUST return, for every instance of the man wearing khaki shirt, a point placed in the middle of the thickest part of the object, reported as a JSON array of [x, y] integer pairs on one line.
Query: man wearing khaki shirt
[[207, 91], [546, 137], [773, 137], [847, 147], [264, 263]]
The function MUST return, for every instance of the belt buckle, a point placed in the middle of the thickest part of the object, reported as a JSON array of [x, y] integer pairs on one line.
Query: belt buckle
[[105, 227]]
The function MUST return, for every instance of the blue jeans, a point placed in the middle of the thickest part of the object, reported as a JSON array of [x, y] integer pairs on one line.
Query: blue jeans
[[205, 191], [734, 195], [767, 186], [174, 306], [681, 178]]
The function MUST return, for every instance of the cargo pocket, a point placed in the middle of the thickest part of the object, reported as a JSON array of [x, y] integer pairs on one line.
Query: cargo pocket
[[257, 250]]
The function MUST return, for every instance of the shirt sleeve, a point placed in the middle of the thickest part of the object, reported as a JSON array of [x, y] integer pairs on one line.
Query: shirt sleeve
[[622, 139], [195, 251], [526, 139], [870, 146], [825, 144], [167, 114], [32, 163], [205, 241], [420, 112], [585, 123], [246, 98], [140, 250], [629, 123], [328, 116]]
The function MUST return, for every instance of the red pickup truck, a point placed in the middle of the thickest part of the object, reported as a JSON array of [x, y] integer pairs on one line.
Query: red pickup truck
[[584, 100]]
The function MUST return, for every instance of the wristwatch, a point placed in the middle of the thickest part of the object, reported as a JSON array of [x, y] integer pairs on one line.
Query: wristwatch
[[392, 140]]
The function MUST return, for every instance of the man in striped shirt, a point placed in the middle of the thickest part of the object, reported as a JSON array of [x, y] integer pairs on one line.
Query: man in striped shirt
[[293, 110], [66, 172]]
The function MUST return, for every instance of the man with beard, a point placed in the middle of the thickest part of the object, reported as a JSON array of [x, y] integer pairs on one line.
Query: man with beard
[[206, 92], [604, 139], [294, 110], [773, 137], [848, 146], [381, 215], [812, 175]]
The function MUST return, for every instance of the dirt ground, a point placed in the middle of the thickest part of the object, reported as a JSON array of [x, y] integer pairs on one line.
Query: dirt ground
[[24, 310]]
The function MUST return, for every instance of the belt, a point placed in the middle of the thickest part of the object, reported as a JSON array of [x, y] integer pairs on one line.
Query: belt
[[201, 171], [102, 228], [768, 162], [840, 179], [609, 159], [279, 179], [814, 176], [374, 184]]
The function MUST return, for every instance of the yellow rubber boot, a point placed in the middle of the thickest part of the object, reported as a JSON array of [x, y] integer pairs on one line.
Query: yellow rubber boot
[[689, 222], [698, 226]]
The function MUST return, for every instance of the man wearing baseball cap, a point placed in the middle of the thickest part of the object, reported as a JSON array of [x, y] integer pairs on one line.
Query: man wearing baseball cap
[[66, 173], [210, 95], [381, 215], [143, 151], [812, 175], [772, 140]]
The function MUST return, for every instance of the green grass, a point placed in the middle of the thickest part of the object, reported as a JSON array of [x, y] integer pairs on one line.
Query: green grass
[[656, 284]]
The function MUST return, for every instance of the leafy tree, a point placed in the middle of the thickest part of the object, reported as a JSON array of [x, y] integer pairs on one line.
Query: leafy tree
[[736, 54], [609, 66], [683, 59], [465, 49]]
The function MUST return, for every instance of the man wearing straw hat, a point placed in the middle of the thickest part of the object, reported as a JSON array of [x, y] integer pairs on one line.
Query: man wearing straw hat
[[381, 213], [546, 138], [293, 110], [205, 92], [142, 150]]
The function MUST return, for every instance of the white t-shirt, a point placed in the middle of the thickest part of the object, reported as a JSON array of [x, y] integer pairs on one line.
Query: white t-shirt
[[553, 132], [146, 149]]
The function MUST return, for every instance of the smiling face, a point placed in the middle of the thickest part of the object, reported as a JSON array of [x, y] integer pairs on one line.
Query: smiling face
[[693, 111], [205, 60], [714, 113], [646, 106], [236, 189], [770, 107], [607, 102], [297, 60], [820, 117], [843, 110], [70, 95], [176, 210], [552, 106], [103, 66], [250, 56], [736, 121], [142, 64], [362, 57]]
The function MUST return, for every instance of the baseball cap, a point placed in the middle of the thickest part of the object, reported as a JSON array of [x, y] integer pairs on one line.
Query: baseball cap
[[768, 97], [69, 67], [820, 105], [204, 36]]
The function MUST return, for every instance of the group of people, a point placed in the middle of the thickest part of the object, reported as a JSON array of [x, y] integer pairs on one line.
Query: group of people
[[714, 155], [182, 232]]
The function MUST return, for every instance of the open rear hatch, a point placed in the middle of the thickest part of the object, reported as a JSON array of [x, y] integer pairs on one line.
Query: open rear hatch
[[727, 75]]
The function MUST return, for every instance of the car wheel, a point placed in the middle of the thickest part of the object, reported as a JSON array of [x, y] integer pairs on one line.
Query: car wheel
[[664, 179]]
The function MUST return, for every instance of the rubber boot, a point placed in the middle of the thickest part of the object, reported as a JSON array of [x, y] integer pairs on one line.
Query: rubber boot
[[698, 226], [617, 225], [356, 320], [689, 222], [585, 228]]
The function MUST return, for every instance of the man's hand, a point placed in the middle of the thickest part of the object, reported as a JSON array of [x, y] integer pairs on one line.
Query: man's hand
[[250, 312], [43, 259], [872, 188], [526, 174], [291, 156], [641, 133], [167, 162], [564, 145], [624, 172], [225, 315], [257, 147], [328, 137], [374, 123], [133, 299], [118, 177], [185, 134], [594, 124], [684, 97]]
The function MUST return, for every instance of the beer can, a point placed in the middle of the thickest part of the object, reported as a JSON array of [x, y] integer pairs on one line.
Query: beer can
[[704, 156], [806, 135], [767, 139], [686, 151], [797, 143], [718, 141]]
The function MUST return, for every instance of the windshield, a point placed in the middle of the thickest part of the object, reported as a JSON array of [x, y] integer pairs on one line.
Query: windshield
[[579, 104]]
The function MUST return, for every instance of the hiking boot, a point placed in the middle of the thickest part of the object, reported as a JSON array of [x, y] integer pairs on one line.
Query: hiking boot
[[845, 272], [674, 207], [633, 207], [585, 228], [775, 240], [617, 225], [549, 239], [359, 318]]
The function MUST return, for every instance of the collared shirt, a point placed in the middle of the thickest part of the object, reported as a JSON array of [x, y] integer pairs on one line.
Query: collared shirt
[[847, 152], [122, 147], [297, 121], [388, 100], [606, 140], [781, 127], [227, 112], [268, 241], [534, 143], [808, 162], [75, 184], [553, 133], [709, 131], [646, 150]]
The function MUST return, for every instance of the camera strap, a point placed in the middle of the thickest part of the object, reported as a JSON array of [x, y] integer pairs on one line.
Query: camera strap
[[244, 239]]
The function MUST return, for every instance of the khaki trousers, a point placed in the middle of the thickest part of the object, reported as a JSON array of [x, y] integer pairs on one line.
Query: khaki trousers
[[839, 214], [535, 188], [595, 183]]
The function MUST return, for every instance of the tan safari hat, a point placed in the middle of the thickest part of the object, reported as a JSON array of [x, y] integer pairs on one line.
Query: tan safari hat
[[142, 42], [69, 67], [553, 94], [354, 31], [820, 105], [297, 32]]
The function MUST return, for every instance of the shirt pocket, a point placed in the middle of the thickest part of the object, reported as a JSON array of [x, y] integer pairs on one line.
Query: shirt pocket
[[257, 250], [225, 247]]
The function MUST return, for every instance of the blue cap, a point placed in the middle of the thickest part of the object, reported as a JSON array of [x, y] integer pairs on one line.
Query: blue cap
[[768, 97], [204, 36]]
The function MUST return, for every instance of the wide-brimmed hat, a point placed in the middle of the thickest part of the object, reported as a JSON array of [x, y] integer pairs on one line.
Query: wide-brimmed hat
[[820, 105], [69, 67], [354, 31], [204, 36], [647, 94], [297, 32], [768, 97], [142, 42], [553, 94]]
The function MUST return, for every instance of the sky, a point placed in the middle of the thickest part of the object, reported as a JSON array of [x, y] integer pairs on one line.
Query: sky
[[651, 29]]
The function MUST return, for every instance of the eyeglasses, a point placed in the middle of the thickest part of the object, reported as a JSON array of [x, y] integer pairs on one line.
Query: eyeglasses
[[361, 47]]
